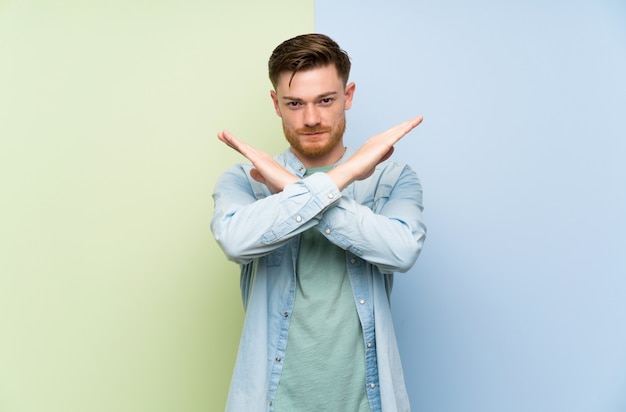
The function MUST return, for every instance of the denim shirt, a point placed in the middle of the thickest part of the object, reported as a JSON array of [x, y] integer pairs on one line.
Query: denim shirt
[[377, 221]]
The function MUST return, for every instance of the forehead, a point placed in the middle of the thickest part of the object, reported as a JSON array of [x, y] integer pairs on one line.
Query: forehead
[[309, 83]]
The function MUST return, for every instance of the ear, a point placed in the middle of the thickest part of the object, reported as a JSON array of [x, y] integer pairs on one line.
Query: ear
[[350, 88], [275, 100]]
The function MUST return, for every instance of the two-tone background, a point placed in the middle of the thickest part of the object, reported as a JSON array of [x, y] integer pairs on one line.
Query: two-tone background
[[113, 294]]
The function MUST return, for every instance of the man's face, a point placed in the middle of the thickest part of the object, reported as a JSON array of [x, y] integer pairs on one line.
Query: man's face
[[313, 109]]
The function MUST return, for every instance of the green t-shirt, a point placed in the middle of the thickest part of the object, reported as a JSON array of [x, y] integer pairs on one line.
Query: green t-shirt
[[324, 362]]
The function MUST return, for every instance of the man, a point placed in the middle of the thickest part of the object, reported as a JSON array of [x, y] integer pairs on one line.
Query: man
[[318, 232]]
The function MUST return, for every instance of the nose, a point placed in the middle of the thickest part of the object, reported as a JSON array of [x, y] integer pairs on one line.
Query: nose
[[311, 116]]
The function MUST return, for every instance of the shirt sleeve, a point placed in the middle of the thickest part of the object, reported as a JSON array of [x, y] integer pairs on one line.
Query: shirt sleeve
[[247, 225], [387, 229]]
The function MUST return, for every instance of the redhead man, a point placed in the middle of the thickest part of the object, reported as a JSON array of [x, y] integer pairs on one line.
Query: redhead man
[[318, 232]]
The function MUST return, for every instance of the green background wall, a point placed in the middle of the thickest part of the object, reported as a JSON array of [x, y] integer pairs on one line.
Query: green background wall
[[113, 294]]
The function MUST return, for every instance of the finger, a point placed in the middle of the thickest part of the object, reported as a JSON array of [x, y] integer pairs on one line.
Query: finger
[[230, 140], [410, 124], [417, 120], [399, 131], [224, 137]]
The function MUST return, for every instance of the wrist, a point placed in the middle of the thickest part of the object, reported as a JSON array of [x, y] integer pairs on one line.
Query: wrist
[[341, 175]]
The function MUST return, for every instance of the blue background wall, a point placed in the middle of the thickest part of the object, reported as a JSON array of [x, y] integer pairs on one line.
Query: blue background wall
[[519, 299]]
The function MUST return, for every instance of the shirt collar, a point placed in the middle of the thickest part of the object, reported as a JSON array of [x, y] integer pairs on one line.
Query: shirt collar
[[295, 165]]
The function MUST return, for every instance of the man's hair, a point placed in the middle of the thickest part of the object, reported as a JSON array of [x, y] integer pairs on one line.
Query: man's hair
[[306, 52]]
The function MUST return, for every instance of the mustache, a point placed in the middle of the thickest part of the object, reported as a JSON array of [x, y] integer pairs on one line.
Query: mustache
[[311, 130]]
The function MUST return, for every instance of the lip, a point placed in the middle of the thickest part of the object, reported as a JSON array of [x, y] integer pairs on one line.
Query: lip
[[313, 135]]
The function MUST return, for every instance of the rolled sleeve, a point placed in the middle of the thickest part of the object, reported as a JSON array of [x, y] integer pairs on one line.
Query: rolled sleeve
[[386, 229], [248, 225]]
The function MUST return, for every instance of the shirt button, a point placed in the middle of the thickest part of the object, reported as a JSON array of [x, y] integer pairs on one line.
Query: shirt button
[[353, 261], [278, 359], [327, 231], [362, 301], [330, 195], [369, 344], [298, 219], [286, 314], [372, 385]]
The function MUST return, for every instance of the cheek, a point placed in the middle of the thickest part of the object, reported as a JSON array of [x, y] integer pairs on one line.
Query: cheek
[[286, 123], [290, 120], [336, 117]]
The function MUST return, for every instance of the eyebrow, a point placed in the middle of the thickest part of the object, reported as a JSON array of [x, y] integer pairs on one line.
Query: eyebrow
[[321, 96]]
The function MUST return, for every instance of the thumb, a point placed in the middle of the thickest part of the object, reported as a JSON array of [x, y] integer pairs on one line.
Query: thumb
[[387, 155], [256, 175]]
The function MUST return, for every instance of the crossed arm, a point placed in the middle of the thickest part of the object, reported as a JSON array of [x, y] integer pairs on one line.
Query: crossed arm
[[247, 227], [358, 167]]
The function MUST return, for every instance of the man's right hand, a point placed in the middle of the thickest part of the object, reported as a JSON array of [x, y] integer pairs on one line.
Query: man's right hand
[[266, 169]]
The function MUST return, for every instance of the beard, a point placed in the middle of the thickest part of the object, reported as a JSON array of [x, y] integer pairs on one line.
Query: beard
[[319, 148]]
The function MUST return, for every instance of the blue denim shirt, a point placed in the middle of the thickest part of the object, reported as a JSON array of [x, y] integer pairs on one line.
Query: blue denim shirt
[[377, 221]]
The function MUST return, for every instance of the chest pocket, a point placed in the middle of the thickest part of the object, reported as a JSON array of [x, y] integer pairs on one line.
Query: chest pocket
[[274, 258]]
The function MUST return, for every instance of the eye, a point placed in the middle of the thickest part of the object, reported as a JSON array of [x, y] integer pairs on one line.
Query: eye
[[293, 104], [326, 101]]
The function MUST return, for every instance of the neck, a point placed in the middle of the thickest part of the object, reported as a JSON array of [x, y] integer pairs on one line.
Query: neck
[[328, 159]]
